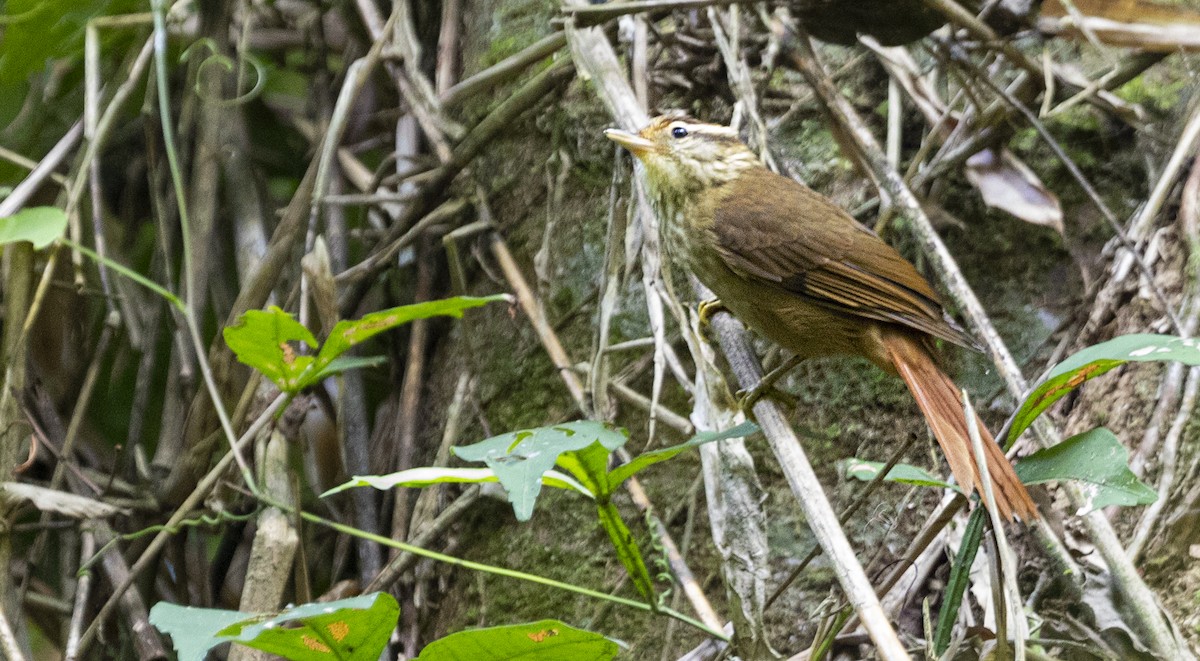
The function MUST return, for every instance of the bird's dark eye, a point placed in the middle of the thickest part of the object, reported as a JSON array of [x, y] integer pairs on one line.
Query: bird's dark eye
[[679, 132]]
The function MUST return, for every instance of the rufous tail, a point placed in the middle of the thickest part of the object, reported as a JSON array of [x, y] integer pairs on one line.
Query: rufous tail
[[941, 402]]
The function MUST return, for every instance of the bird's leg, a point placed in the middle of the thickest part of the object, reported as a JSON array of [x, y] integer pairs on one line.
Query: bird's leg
[[766, 385], [709, 307]]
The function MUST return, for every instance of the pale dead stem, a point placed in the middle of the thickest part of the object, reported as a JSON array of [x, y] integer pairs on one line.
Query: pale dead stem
[[1009, 609], [597, 60], [96, 128], [1149, 617], [558, 357], [189, 505], [1189, 219]]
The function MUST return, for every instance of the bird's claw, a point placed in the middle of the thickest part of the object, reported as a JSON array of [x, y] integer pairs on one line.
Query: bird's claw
[[766, 387], [706, 309], [747, 398]]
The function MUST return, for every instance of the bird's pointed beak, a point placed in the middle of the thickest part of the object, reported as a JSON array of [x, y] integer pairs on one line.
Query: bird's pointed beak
[[636, 144]]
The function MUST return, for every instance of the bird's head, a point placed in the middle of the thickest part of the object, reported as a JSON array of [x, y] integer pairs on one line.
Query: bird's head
[[681, 152]]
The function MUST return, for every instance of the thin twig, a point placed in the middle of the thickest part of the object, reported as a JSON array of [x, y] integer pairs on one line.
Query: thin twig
[[203, 488], [504, 70], [1007, 561], [589, 15], [1152, 204], [558, 356], [1166, 479], [1148, 615], [23, 191]]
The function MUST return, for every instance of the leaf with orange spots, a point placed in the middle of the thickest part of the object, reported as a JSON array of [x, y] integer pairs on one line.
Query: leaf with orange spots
[[547, 640], [268, 341], [356, 629], [1096, 360]]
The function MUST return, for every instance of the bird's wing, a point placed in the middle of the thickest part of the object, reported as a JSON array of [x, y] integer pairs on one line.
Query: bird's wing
[[778, 231]]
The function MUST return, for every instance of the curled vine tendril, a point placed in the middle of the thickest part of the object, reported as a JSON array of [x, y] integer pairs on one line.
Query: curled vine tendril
[[216, 58]]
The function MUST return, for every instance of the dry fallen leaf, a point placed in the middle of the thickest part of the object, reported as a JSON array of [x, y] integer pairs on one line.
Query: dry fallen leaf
[[1007, 183], [59, 502], [1004, 182]]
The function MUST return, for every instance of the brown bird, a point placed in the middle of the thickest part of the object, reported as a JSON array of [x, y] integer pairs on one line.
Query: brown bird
[[795, 267]]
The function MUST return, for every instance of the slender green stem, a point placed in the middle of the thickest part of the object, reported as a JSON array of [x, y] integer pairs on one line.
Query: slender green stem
[[194, 333], [491, 569], [168, 131], [128, 273]]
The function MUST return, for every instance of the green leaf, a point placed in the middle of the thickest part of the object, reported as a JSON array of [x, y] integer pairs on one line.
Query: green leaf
[[628, 551], [355, 629], [193, 631], [347, 333], [590, 466], [430, 475], [38, 30], [520, 458], [344, 364], [548, 640], [261, 339], [960, 573], [40, 226], [1096, 360], [904, 473], [1096, 458], [625, 471]]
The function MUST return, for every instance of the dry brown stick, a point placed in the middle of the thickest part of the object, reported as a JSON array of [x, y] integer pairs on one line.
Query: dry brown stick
[[83, 590], [357, 278], [203, 487], [807, 489], [733, 494], [683, 574], [447, 48], [504, 70], [1170, 452], [253, 294], [427, 111], [533, 310], [559, 358], [429, 498], [738, 73], [589, 15], [146, 640], [23, 191], [856, 504], [614, 260], [959, 16], [20, 160], [1149, 617], [276, 541], [596, 57], [66, 456], [405, 560], [666, 416], [410, 394]]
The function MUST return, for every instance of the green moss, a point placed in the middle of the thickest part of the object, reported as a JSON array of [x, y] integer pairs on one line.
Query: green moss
[[1157, 95], [517, 24]]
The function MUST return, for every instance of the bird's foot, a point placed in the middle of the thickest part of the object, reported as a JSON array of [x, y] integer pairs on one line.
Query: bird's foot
[[747, 398], [707, 308], [766, 387]]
